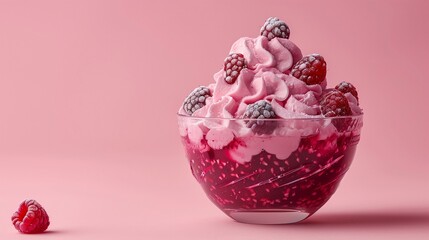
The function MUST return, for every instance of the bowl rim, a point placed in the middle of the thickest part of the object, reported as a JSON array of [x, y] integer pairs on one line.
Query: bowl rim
[[310, 117]]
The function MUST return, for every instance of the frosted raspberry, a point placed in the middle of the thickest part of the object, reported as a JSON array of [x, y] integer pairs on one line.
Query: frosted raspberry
[[31, 217], [196, 100], [233, 65], [274, 27], [260, 110], [334, 103], [310, 69], [346, 87]]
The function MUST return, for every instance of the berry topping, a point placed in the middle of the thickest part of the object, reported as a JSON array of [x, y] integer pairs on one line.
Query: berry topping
[[334, 103], [196, 100], [310, 69], [233, 65], [346, 87], [260, 110], [30, 217], [274, 27]]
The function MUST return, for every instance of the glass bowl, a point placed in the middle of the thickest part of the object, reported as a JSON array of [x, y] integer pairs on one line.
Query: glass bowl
[[273, 171]]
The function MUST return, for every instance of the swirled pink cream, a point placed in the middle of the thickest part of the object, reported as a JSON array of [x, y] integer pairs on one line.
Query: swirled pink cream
[[268, 77]]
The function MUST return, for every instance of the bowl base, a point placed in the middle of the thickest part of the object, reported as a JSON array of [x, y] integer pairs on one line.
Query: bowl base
[[267, 216]]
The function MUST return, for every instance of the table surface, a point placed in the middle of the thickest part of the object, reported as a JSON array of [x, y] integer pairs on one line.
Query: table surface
[[136, 197], [81, 79]]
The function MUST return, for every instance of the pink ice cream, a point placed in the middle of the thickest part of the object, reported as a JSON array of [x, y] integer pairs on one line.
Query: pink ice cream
[[267, 77]]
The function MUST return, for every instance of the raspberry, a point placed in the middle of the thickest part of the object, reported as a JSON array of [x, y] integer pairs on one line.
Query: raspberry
[[233, 65], [274, 27], [346, 87], [31, 217], [260, 110], [310, 69], [334, 103], [196, 100]]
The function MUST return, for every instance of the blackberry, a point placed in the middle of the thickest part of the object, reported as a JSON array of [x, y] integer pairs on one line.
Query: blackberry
[[274, 27], [260, 110], [233, 65], [196, 100]]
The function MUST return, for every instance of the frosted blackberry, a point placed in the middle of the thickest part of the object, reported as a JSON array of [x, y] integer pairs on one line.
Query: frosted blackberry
[[274, 27], [196, 100], [232, 66], [260, 110]]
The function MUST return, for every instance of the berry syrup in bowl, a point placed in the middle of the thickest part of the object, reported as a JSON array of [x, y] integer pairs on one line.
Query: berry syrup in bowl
[[281, 176], [268, 141]]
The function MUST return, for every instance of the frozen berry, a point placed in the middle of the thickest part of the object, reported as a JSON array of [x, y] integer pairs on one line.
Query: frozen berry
[[310, 69], [346, 87], [260, 110], [31, 217], [274, 27], [233, 65], [196, 100], [334, 103]]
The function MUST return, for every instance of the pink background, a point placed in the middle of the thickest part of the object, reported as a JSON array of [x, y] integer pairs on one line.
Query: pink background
[[89, 91]]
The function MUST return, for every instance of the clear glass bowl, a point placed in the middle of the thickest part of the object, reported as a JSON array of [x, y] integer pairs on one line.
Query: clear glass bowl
[[269, 171]]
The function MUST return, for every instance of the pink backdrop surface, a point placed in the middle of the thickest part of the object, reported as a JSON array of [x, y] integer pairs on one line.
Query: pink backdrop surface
[[89, 92]]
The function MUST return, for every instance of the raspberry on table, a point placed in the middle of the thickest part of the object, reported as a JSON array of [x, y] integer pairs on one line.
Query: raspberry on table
[[346, 87], [233, 65], [31, 217], [196, 100], [310, 69], [274, 27], [334, 103], [260, 110]]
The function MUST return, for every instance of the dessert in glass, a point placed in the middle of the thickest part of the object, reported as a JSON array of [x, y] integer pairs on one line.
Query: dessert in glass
[[268, 141]]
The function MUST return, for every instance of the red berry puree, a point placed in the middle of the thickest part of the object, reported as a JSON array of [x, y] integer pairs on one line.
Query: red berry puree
[[303, 182]]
